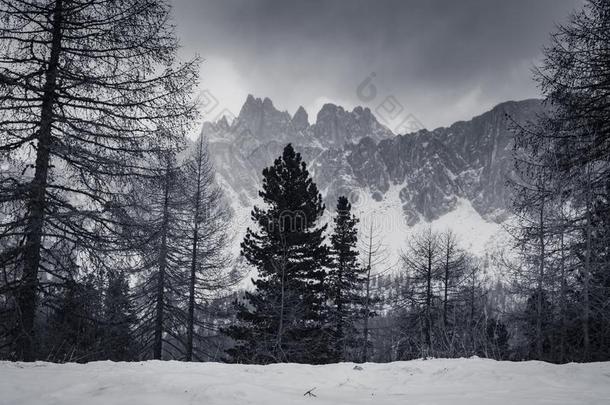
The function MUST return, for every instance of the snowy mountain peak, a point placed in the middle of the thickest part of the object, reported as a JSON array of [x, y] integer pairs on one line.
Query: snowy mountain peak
[[300, 120], [335, 126], [429, 174]]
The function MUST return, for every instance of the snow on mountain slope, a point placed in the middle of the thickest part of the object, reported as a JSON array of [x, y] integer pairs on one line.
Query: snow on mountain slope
[[452, 177], [474, 233], [439, 381]]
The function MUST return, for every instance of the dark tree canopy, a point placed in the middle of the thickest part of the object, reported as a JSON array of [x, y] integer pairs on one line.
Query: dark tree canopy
[[346, 278], [282, 319]]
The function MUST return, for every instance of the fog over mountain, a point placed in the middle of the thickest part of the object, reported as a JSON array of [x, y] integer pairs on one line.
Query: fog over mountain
[[443, 60]]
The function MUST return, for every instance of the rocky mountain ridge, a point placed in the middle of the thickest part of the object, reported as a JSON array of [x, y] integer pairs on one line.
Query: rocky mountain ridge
[[351, 153]]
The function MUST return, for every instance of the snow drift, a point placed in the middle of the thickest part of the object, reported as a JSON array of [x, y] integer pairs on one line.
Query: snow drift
[[440, 381]]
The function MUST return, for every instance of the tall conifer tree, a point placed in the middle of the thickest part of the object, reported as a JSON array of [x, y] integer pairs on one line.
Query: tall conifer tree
[[119, 318], [283, 318], [346, 281]]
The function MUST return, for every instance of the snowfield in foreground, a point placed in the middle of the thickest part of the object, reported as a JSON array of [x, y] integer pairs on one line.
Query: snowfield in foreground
[[459, 381]]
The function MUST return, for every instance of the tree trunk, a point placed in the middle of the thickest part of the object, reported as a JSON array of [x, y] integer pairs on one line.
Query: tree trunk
[[367, 299], [472, 310], [539, 335], [37, 198], [158, 340], [587, 274], [339, 344], [192, 281], [446, 292], [280, 327], [448, 340], [191, 309], [428, 332], [562, 304]]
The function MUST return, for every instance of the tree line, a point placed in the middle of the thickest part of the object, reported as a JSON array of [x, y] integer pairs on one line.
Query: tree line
[[316, 298], [562, 195], [111, 229], [553, 304]]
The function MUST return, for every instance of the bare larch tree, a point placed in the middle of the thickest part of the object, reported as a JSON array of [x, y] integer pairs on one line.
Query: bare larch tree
[[85, 86]]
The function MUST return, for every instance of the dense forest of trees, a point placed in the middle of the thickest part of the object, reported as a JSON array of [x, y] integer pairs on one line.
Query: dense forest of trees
[[93, 200], [562, 196], [113, 230]]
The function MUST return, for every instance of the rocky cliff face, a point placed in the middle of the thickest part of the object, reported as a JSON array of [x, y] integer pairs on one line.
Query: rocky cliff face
[[351, 153]]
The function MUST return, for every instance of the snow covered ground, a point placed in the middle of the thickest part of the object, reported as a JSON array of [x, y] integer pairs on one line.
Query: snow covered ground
[[458, 381]]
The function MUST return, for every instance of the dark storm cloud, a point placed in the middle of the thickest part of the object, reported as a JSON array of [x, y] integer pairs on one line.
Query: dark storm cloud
[[443, 60]]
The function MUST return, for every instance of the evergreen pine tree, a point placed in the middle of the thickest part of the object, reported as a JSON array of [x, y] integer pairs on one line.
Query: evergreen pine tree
[[532, 324], [282, 320], [346, 280], [119, 319], [497, 339], [73, 327], [600, 277]]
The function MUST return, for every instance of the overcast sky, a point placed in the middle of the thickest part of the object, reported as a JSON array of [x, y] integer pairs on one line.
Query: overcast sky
[[442, 60]]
